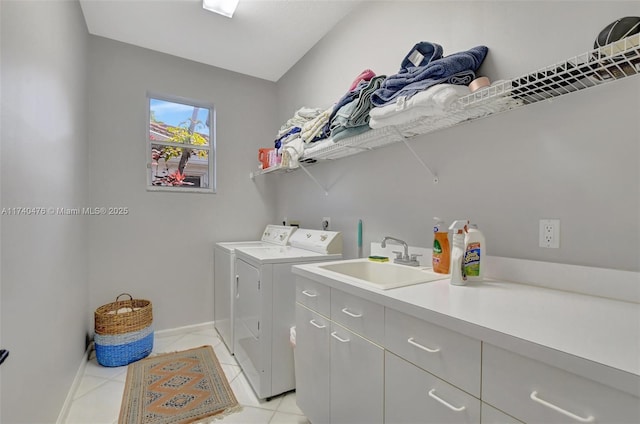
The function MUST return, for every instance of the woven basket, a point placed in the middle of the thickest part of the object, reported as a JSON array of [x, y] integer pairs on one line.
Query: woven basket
[[124, 331]]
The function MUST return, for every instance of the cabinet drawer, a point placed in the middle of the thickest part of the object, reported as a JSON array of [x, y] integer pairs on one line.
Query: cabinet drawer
[[359, 315], [536, 392], [413, 395], [449, 355], [313, 295]]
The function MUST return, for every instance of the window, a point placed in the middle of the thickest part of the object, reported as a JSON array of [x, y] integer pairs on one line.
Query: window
[[180, 145]]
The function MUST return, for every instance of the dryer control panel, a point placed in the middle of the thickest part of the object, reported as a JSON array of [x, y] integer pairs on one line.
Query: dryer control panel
[[278, 234], [319, 241]]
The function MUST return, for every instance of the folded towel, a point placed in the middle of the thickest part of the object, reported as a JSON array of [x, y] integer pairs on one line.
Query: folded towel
[[456, 68], [298, 119], [342, 116], [349, 132], [291, 153], [421, 54], [365, 75], [433, 101], [283, 138], [313, 128], [360, 113]]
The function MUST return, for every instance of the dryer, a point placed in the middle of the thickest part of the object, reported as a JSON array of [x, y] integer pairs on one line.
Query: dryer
[[265, 306], [224, 276]]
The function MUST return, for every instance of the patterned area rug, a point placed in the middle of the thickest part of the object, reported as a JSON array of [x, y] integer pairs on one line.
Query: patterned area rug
[[176, 388]]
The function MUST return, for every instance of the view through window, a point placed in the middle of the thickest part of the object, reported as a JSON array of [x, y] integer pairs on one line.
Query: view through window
[[181, 145]]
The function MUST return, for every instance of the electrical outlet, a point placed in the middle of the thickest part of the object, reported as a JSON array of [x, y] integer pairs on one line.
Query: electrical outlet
[[326, 223], [550, 233]]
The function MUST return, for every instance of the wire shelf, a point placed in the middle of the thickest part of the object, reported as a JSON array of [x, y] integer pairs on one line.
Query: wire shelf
[[350, 146], [614, 61]]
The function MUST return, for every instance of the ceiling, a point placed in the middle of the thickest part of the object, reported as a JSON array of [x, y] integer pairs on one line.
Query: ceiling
[[264, 39]]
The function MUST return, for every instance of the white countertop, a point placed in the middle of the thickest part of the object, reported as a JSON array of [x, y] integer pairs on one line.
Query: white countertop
[[602, 330]]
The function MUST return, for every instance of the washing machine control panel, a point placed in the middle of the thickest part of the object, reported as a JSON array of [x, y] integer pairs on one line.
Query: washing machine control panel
[[278, 234]]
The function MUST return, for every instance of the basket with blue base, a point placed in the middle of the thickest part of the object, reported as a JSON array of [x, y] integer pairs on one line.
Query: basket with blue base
[[123, 331]]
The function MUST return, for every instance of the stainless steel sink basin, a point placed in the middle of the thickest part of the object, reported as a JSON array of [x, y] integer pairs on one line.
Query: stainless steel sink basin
[[383, 275]]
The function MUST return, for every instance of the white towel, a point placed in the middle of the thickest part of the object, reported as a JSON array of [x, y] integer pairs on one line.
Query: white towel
[[311, 129], [291, 153], [433, 101], [298, 119]]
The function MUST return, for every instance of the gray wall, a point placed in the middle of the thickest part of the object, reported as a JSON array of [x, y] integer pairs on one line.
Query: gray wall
[[576, 158], [44, 294], [163, 250]]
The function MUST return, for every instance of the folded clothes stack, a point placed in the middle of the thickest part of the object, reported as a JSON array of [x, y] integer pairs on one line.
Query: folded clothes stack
[[424, 67], [353, 118], [425, 87], [433, 101]]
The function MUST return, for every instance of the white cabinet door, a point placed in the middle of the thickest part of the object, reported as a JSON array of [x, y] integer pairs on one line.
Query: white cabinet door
[[357, 378], [312, 364], [413, 395], [490, 415]]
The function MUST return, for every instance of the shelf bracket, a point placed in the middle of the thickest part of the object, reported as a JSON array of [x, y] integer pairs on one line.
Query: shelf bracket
[[413, 152], [326, 193]]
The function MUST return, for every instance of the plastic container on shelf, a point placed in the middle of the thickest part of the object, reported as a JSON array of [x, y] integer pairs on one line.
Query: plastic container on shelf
[[263, 156]]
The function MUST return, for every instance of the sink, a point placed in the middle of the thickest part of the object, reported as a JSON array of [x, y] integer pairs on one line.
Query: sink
[[383, 275]]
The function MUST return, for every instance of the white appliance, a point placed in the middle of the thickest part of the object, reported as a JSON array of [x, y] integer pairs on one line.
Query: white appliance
[[265, 306], [224, 276]]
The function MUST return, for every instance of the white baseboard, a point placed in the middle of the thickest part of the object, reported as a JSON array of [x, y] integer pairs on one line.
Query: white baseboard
[[66, 406], [186, 329]]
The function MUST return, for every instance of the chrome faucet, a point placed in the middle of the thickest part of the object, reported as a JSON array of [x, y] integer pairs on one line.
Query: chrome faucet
[[401, 257]]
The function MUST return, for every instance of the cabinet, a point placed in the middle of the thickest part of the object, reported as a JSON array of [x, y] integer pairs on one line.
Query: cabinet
[[339, 372], [420, 372], [413, 395], [357, 378], [312, 364], [537, 392], [490, 415], [449, 355]]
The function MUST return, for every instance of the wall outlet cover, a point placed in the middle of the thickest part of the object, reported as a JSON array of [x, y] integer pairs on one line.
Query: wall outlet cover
[[550, 233]]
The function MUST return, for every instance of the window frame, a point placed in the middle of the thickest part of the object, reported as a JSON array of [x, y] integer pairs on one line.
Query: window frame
[[212, 165]]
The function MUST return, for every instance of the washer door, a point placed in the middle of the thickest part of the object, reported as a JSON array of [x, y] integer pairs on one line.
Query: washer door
[[247, 322]]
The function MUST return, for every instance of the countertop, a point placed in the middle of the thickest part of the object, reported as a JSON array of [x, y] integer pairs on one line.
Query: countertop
[[597, 329]]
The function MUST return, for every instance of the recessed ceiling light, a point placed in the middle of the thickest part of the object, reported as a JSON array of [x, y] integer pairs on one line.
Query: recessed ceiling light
[[222, 7]]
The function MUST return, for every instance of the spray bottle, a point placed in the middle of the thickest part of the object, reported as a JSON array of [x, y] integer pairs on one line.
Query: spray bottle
[[459, 228], [475, 251], [441, 256]]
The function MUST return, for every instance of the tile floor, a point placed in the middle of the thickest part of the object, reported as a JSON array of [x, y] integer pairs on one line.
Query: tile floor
[[99, 394]]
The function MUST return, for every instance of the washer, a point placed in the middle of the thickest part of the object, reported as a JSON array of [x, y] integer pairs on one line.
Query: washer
[[224, 276], [265, 306]]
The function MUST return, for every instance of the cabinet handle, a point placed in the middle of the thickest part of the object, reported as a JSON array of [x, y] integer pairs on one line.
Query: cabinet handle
[[351, 314], [308, 293], [315, 324], [411, 341], [237, 287], [338, 338], [535, 398], [432, 393]]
